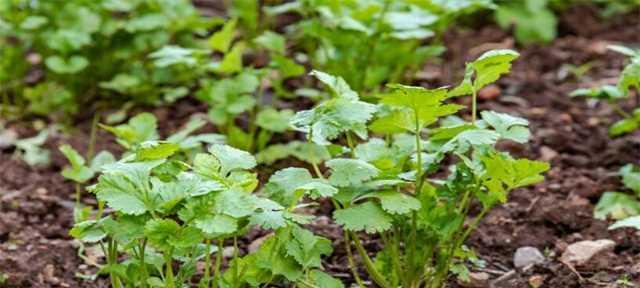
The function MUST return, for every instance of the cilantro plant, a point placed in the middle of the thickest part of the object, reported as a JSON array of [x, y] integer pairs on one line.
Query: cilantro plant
[[382, 39], [619, 206], [395, 186], [57, 57], [167, 206], [160, 222], [629, 80]]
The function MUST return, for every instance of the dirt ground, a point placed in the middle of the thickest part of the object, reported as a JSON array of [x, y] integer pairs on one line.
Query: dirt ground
[[36, 204]]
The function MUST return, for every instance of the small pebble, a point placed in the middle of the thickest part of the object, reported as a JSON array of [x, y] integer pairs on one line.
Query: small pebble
[[580, 253], [527, 256]]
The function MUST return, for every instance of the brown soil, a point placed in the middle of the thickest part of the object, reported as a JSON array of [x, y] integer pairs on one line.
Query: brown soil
[[36, 204]]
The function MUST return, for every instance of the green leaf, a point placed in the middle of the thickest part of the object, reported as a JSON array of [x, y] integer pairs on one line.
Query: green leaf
[[175, 55], [491, 65], [367, 216], [269, 219], [309, 152], [425, 105], [630, 77], [350, 172], [273, 153], [307, 249], [147, 22], [235, 203], [343, 113], [336, 84], [503, 173], [216, 224], [72, 65], [221, 40], [33, 22], [139, 129], [396, 202], [287, 68], [509, 127], [617, 206], [89, 231], [631, 178], [101, 159], [78, 172], [485, 70], [232, 61], [122, 186], [283, 185], [633, 222], [318, 189], [274, 120], [154, 150], [232, 159], [166, 235], [161, 232], [624, 126], [534, 21], [271, 41], [120, 194], [126, 228], [466, 139], [324, 280], [605, 92]]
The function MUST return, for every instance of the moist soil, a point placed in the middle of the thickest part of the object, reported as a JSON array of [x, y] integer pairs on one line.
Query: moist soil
[[36, 203]]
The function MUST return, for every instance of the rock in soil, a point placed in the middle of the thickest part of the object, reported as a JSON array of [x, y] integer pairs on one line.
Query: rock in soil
[[490, 92], [527, 256], [476, 280], [580, 253]]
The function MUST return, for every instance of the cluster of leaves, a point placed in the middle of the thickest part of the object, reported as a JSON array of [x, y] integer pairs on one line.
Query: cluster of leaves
[[29, 149], [382, 39], [388, 186], [235, 90], [167, 205], [533, 21], [615, 7], [629, 80], [57, 57], [622, 207], [536, 22]]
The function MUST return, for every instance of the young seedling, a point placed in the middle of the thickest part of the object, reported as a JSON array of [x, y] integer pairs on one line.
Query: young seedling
[[629, 81], [619, 206], [392, 187]]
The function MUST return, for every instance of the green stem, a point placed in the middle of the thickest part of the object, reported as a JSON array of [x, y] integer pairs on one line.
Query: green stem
[[169, 279], [206, 279], [316, 169], [78, 194], [92, 136], [352, 262], [143, 265], [216, 271], [236, 271], [474, 104], [368, 263], [351, 144], [620, 111], [112, 258]]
